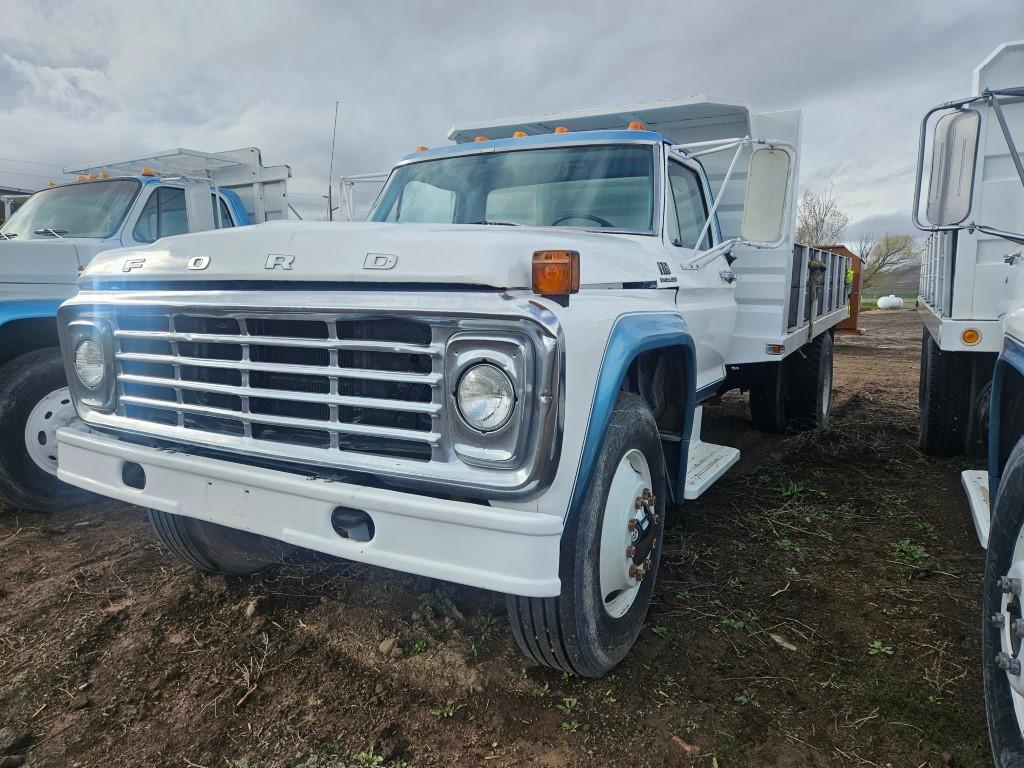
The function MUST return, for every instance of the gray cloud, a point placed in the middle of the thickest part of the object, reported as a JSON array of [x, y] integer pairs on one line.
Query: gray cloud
[[84, 81]]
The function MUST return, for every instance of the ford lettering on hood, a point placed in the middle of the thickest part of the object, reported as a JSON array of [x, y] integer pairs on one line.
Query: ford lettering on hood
[[427, 254]]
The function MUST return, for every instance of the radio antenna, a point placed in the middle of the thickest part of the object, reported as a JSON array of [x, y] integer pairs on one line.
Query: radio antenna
[[330, 173]]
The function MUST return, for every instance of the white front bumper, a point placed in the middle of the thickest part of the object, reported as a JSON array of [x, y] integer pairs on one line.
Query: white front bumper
[[490, 547]]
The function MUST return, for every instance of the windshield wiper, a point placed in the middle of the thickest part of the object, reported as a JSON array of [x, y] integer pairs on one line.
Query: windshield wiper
[[53, 232], [496, 223]]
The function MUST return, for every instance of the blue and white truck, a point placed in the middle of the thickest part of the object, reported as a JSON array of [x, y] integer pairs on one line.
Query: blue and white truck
[[496, 381], [973, 302], [52, 237]]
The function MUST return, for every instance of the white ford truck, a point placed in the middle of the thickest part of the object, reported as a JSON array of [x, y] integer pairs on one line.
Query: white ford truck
[[967, 277], [47, 242], [496, 381], [975, 203]]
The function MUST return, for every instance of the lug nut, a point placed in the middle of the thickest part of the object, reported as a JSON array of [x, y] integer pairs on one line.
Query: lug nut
[[1008, 585], [632, 525], [1017, 627], [1007, 663], [630, 550], [997, 620]]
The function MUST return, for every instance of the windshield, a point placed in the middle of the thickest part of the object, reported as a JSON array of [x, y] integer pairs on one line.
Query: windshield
[[600, 186], [91, 209]]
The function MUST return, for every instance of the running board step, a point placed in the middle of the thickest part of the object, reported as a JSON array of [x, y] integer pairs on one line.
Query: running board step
[[975, 482], [705, 462]]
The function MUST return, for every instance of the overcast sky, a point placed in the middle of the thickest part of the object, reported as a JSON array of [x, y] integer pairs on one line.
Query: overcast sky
[[101, 80]]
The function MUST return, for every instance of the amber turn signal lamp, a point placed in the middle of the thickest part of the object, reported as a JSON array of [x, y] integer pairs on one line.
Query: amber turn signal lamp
[[518, 134], [556, 274], [421, 148], [561, 129], [479, 138], [970, 337], [636, 125], [81, 177], [147, 172]]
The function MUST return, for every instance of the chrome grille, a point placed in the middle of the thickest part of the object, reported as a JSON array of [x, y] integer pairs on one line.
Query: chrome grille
[[366, 385]]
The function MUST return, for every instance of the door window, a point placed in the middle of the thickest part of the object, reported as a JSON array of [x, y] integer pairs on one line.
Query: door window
[[689, 213], [163, 215], [225, 214]]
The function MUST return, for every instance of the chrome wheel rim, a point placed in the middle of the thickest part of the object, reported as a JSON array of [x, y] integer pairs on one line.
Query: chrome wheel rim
[[1011, 629], [50, 414], [630, 510]]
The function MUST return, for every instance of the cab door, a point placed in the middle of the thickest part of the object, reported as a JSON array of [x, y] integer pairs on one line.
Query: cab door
[[706, 295]]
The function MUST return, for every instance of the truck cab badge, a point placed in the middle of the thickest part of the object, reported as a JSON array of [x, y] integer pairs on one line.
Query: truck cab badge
[[199, 262], [279, 261], [380, 261], [130, 264]]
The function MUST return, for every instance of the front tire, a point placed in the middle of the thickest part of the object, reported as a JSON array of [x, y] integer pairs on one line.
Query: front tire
[[1004, 691], [34, 403], [213, 548], [944, 399], [610, 555]]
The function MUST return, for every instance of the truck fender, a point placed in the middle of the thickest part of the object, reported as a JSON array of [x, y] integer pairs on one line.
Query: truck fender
[[1006, 413], [631, 336], [28, 309]]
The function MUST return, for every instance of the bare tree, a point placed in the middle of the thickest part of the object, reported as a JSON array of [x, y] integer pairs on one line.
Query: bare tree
[[820, 220], [884, 254]]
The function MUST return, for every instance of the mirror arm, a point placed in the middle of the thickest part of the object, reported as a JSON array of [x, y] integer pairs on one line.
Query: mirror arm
[[704, 258], [1013, 237], [718, 198], [993, 100]]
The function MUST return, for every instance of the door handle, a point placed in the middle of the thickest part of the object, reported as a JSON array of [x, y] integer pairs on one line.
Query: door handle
[[728, 276]]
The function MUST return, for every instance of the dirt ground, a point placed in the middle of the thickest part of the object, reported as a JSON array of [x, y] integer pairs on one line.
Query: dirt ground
[[817, 607]]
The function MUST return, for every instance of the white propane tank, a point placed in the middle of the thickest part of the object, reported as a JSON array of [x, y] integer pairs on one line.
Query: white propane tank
[[892, 301]]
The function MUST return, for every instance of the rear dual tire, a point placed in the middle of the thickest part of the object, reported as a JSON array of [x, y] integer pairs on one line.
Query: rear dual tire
[[944, 399], [795, 392], [592, 624]]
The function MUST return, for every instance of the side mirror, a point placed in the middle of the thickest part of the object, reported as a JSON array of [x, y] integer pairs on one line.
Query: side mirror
[[201, 216], [767, 198], [954, 156]]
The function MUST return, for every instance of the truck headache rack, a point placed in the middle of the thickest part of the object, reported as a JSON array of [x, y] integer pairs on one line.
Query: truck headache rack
[[262, 189]]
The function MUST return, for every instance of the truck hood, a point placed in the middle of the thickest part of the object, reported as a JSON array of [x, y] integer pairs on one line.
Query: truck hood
[[42, 261], [489, 256]]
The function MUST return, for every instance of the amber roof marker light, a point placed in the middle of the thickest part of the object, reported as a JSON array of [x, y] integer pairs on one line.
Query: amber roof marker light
[[556, 275]]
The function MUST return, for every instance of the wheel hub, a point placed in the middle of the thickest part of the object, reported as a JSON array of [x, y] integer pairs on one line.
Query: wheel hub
[[1009, 624], [628, 533], [51, 413]]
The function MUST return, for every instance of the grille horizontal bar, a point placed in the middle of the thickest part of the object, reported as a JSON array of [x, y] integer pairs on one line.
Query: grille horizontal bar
[[284, 394], [356, 345], [403, 377], [431, 438]]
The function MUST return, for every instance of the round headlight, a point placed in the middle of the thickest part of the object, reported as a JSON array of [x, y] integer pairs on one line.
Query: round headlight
[[486, 397], [89, 363]]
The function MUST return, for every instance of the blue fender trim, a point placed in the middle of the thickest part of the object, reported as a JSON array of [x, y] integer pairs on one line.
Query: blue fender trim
[[631, 336], [1011, 360], [28, 308]]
